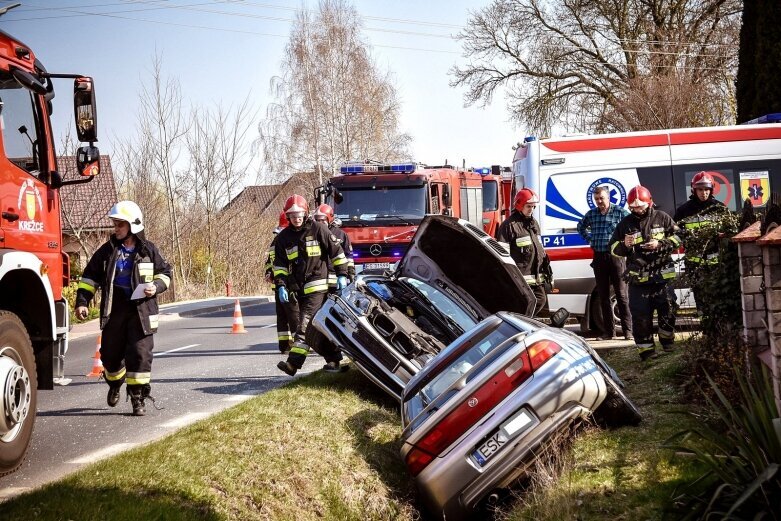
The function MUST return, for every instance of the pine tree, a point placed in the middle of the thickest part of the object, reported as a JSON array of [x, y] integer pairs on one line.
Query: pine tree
[[757, 91]]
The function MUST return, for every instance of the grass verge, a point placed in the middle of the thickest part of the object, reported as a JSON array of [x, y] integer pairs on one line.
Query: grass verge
[[326, 447], [323, 447], [619, 474]]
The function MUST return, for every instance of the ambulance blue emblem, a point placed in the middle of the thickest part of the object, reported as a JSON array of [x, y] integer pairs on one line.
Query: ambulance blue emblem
[[617, 192]]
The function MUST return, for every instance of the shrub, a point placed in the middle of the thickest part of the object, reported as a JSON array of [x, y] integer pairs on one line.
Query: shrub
[[741, 455]]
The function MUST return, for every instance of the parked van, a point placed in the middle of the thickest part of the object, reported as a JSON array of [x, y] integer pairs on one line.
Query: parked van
[[565, 171]]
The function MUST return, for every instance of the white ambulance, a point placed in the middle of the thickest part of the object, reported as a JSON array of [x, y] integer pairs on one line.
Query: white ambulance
[[565, 171]]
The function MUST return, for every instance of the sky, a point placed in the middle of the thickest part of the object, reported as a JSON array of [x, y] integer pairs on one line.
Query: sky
[[224, 51]]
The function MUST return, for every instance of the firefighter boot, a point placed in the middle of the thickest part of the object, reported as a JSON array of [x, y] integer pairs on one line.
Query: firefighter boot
[[286, 367], [112, 399], [136, 396]]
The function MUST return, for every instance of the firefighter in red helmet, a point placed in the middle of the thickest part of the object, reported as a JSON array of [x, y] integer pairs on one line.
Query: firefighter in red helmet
[[647, 238], [698, 217], [325, 215], [285, 311], [522, 231], [302, 253]]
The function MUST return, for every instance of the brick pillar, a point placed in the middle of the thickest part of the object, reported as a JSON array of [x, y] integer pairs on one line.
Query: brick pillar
[[770, 245], [751, 286]]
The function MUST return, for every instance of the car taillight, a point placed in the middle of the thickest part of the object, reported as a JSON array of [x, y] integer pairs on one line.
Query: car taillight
[[417, 460], [485, 398], [542, 351]]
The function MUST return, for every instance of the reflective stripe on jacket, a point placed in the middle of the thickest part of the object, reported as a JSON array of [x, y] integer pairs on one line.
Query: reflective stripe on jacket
[[523, 235], [148, 266], [647, 266], [302, 256]]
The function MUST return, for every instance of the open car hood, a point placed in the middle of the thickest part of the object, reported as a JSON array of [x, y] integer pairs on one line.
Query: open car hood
[[462, 260]]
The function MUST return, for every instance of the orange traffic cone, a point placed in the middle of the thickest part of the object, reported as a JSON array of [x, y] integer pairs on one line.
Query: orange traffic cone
[[238, 322], [97, 365]]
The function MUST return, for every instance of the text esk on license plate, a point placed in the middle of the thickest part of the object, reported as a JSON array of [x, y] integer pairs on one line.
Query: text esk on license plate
[[518, 423], [377, 266]]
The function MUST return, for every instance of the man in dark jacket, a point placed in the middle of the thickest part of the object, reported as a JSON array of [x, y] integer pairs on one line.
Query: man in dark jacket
[[325, 215], [131, 272], [699, 213], [647, 238], [522, 232], [302, 253]]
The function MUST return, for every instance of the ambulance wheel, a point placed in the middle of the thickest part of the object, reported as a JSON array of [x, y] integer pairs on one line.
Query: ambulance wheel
[[18, 392]]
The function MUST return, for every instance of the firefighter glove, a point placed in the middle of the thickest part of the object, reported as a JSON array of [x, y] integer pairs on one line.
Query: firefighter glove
[[341, 282], [282, 292]]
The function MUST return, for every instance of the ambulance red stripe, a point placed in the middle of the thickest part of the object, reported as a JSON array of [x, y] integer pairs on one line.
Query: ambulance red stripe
[[653, 140]]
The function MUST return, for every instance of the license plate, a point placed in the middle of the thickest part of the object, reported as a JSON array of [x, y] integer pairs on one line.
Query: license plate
[[377, 266], [519, 422]]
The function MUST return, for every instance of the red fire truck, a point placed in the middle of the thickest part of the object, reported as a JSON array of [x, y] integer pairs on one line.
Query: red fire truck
[[380, 206], [34, 316], [497, 191]]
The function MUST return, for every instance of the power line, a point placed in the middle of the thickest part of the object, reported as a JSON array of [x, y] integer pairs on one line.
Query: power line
[[192, 26]]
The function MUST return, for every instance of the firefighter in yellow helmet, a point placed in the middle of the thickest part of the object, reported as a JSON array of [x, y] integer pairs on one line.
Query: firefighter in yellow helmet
[[119, 267]]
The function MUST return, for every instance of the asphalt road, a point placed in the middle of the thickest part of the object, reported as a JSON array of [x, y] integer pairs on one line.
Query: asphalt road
[[200, 368]]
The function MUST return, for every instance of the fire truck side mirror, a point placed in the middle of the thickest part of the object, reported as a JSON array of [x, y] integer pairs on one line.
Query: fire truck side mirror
[[84, 110], [338, 197], [446, 195], [88, 161]]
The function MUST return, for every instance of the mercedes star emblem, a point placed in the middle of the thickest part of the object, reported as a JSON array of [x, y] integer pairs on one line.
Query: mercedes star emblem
[[375, 249]]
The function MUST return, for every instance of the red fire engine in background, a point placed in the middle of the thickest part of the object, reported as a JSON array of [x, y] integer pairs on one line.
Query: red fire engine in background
[[380, 206], [34, 315]]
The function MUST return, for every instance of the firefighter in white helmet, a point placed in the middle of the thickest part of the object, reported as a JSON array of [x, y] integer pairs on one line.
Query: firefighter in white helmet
[[123, 264]]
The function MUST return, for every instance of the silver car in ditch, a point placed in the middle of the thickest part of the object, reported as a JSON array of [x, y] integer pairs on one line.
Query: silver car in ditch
[[391, 323], [476, 416]]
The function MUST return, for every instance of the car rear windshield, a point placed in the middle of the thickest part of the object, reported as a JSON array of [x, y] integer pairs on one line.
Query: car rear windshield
[[435, 389]]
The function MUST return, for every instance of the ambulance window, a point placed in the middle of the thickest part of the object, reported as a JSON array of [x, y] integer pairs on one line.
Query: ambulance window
[[18, 116], [658, 180], [724, 175]]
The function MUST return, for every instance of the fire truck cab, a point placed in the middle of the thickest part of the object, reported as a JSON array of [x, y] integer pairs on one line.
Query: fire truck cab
[[565, 171], [34, 315], [381, 206]]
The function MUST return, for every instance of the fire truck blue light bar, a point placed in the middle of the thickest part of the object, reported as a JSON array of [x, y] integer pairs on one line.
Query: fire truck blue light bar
[[401, 168]]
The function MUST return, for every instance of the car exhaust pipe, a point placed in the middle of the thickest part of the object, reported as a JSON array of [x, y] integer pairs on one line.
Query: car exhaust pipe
[[492, 499]]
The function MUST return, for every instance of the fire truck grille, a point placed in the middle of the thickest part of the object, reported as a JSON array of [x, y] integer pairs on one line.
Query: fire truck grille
[[381, 249]]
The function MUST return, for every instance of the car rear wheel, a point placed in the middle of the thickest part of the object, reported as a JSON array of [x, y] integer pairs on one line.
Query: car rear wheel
[[18, 388], [617, 409]]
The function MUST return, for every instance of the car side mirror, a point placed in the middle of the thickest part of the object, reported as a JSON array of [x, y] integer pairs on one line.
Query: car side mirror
[[84, 110], [338, 197], [446, 195], [88, 161]]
